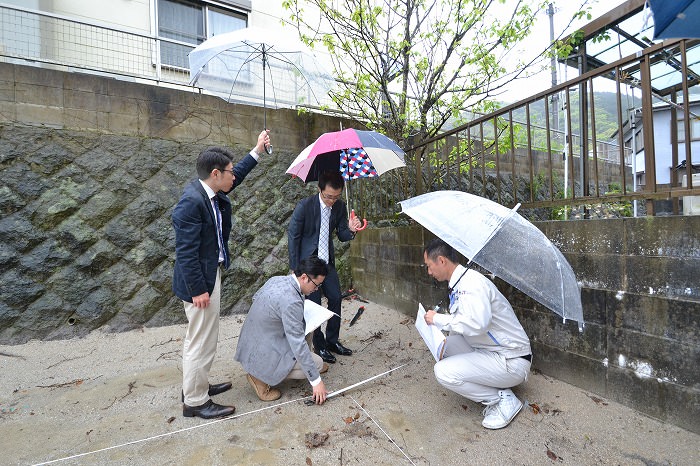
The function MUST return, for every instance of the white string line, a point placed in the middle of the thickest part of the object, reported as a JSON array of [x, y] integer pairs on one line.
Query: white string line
[[209, 423], [338, 392], [383, 431], [173, 432]]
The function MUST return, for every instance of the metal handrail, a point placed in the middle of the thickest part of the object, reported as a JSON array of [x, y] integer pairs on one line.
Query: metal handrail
[[483, 157]]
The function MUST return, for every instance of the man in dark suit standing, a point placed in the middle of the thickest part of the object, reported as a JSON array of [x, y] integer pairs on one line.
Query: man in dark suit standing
[[313, 222], [202, 222]]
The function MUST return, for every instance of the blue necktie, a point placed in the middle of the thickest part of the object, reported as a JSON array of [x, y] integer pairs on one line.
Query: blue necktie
[[219, 230], [453, 297]]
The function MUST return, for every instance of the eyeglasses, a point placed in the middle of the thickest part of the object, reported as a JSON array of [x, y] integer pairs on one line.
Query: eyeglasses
[[317, 285], [229, 170], [328, 197]]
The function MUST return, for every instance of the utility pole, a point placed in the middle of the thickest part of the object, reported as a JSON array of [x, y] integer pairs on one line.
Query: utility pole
[[555, 97]]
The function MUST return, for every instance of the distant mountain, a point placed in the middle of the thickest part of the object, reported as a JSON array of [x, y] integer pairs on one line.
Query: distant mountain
[[605, 105]]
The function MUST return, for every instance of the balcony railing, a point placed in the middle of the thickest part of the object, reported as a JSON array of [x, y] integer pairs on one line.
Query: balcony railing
[[28, 36]]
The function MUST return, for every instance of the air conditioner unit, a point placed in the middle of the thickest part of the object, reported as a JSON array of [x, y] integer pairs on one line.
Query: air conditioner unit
[[691, 204]]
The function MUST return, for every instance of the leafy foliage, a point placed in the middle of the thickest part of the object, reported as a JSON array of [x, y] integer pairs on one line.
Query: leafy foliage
[[406, 67]]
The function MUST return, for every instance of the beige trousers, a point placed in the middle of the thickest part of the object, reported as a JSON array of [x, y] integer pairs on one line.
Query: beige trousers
[[478, 374], [297, 373], [199, 347]]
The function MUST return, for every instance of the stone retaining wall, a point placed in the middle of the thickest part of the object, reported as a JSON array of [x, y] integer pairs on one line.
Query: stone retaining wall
[[90, 169]]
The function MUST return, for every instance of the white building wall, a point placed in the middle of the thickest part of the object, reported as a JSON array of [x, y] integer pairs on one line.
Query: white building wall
[[133, 15], [663, 148]]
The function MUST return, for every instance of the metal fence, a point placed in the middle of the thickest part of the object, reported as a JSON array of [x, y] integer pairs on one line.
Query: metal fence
[[52, 39], [521, 154]]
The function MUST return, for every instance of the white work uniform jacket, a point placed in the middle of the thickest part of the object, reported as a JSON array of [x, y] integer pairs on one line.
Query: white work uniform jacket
[[480, 313]]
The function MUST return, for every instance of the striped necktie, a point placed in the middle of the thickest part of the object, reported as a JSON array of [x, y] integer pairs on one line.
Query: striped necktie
[[323, 239]]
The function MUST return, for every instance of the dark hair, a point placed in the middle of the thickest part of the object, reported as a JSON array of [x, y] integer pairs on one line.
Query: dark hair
[[312, 267], [437, 247], [332, 178], [211, 158]]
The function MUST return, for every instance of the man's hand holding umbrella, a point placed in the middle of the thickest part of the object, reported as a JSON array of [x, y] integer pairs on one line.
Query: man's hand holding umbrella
[[263, 142], [354, 223]]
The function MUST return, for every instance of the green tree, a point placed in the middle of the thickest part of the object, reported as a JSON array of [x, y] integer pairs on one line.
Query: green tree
[[408, 66]]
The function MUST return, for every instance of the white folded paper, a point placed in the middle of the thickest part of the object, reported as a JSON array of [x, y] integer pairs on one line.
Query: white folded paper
[[432, 336], [315, 315]]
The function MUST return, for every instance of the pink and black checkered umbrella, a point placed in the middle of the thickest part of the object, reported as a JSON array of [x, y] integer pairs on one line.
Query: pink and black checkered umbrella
[[355, 153]]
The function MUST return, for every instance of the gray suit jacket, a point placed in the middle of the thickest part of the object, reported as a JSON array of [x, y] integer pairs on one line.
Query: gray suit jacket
[[272, 337]]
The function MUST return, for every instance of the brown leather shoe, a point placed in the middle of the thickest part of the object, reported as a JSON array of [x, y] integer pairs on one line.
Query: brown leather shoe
[[208, 410], [263, 390], [324, 368]]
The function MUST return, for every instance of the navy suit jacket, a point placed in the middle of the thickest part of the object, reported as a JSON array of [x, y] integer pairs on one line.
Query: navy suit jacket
[[305, 226], [196, 242]]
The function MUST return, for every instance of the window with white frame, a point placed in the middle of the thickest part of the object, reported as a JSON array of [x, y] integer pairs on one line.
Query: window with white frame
[[184, 24], [694, 130]]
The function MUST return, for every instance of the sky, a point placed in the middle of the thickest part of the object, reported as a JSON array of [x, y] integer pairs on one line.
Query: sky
[[533, 47], [540, 39]]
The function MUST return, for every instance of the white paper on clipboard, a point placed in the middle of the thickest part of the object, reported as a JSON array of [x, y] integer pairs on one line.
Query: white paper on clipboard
[[314, 316], [432, 336]]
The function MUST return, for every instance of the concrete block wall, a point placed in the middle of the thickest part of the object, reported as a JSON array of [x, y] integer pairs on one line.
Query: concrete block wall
[[77, 101], [641, 300]]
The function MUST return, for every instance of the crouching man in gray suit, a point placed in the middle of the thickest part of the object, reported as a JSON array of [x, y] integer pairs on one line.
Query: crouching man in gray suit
[[272, 346]]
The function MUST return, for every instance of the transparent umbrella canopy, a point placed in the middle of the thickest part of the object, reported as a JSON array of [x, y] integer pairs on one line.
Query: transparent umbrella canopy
[[503, 242], [240, 65]]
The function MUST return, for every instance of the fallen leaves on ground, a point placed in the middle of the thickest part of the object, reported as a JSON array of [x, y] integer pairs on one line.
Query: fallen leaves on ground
[[375, 335], [598, 401], [76, 382], [315, 439]]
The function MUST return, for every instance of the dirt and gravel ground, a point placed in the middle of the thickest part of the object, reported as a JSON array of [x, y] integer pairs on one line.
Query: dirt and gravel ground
[[115, 399]]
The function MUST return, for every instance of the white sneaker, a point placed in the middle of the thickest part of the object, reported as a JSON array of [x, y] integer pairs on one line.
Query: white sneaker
[[499, 414]]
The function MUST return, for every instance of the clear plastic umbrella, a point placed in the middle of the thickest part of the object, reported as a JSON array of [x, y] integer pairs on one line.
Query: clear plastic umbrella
[[238, 65], [503, 242]]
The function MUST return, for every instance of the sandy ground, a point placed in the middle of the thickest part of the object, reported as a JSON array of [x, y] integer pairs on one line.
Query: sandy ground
[[115, 399]]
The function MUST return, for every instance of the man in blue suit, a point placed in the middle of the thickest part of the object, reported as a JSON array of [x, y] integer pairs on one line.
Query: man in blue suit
[[310, 231], [202, 222]]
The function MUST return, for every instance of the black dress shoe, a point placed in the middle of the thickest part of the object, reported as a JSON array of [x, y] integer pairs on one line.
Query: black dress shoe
[[219, 388], [339, 349], [215, 389], [208, 410], [326, 356]]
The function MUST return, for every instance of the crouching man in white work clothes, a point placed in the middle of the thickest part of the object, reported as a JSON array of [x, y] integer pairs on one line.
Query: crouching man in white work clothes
[[487, 351]]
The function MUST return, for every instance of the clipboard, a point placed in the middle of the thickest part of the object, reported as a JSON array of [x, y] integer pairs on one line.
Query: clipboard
[[434, 338]]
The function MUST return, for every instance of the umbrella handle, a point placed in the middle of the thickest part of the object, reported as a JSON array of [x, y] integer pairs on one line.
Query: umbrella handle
[[364, 220], [268, 148]]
